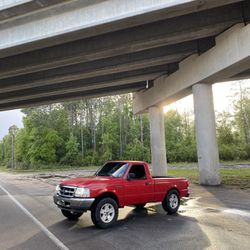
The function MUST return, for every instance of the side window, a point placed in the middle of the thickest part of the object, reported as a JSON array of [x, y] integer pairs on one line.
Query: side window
[[137, 172]]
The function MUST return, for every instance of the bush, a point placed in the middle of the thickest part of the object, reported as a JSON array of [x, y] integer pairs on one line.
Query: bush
[[231, 152]]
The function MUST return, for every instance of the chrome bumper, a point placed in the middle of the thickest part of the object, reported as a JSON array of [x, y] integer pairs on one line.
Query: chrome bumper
[[73, 204]]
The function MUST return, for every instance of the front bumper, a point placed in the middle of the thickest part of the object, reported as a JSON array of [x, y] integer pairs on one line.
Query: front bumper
[[73, 204]]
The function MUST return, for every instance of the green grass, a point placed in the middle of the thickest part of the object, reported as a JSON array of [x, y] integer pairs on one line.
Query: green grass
[[195, 164], [233, 177], [45, 169], [3, 169]]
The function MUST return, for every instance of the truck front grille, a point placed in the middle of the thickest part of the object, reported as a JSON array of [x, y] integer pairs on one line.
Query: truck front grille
[[66, 191]]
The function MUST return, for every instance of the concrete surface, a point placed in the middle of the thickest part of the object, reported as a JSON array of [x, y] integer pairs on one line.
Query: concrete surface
[[229, 57], [157, 141], [205, 128], [58, 21], [213, 218], [65, 50]]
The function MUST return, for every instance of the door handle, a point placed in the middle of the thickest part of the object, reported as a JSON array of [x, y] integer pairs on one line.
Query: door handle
[[147, 183]]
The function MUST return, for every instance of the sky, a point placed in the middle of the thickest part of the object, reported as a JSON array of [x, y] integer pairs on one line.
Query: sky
[[222, 93], [9, 118]]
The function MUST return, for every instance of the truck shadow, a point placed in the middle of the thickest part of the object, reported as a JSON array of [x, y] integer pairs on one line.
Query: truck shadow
[[148, 228], [227, 197]]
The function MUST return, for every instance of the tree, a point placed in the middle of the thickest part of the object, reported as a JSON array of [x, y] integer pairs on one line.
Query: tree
[[89, 132], [242, 116], [180, 139], [72, 153], [13, 131]]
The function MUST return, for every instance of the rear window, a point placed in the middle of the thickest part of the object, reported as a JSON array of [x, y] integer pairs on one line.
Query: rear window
[[138, 171]]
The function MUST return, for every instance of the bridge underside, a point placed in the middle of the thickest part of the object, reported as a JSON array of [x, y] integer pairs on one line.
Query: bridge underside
[[126, 60]]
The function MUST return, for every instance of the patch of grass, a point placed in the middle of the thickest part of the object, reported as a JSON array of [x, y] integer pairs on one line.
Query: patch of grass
[[233, 177], [3, 169], [45, 169], [236, 177], [195, 164], [183, 164], [231, 163], [191, 174]]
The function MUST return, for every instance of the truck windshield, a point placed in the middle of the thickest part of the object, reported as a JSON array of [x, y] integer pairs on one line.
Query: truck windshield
[[115, 169]]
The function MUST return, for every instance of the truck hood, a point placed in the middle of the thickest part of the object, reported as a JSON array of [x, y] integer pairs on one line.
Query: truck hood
[[86, 181]]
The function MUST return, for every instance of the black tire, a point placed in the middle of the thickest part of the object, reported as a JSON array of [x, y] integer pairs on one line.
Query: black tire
[[104, 213], [171, 202], [140, 206], [71, 215]]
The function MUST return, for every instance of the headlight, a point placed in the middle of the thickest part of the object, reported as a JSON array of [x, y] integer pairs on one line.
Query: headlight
[[82, 192], [57, 188]]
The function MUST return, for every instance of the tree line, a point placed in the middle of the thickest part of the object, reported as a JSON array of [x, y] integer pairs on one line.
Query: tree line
[[91, 131]]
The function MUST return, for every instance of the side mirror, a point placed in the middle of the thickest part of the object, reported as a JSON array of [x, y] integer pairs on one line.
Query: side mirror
[[131, 176]]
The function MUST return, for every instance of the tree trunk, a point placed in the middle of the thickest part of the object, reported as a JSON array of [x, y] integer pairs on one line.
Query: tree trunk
[[142, 137], [81, 131]]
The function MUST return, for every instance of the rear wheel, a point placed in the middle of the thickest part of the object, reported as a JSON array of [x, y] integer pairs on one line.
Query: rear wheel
[[171, 202], [71, 215], [104, 213]]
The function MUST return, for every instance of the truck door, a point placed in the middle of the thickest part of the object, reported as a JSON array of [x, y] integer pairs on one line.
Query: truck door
[[138, 188]]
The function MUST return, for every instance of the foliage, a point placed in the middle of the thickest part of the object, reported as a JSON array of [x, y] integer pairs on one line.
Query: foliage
[[89, 132], [242, 117], [233, 129], [180, 138], [72, 151]]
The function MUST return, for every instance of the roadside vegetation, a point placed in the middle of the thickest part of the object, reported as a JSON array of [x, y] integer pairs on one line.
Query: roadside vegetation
[[87, 133], [239, 178], [231, 177]]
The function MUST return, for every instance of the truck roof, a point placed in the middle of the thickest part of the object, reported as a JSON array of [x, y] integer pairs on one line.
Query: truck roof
[[129, 161]]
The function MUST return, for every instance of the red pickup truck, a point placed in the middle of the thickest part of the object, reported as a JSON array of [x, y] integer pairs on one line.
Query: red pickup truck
[[115, 185]]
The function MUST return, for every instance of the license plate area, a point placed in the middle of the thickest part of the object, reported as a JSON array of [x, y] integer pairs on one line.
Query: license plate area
[[63, 203]]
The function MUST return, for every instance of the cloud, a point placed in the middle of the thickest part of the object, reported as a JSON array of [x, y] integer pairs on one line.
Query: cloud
[[9, 118]]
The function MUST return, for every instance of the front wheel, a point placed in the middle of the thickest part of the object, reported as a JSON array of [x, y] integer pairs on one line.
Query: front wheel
[[171, 202], [104, 213], [71, 215]]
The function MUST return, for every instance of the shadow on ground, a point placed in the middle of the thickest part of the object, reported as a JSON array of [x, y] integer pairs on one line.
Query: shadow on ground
[[149, 228], [225, 197]]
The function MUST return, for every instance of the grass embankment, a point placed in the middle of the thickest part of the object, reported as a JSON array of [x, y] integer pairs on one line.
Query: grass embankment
[[232, 177]]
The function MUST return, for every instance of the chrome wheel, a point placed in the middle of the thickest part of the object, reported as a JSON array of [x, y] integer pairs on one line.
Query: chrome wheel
[[107, 213], [173, 201]]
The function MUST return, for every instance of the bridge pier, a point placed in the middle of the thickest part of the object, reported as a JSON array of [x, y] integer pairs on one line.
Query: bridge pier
[[207, 148], [157, 139]]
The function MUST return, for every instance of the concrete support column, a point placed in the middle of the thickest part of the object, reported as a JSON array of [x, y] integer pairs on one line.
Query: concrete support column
[[157, 139], [207, 148]]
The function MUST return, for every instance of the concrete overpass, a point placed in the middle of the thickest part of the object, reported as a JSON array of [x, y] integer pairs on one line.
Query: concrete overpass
[[162, 50]]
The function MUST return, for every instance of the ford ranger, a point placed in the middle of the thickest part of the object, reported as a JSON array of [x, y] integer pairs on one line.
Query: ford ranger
[[115, 185]]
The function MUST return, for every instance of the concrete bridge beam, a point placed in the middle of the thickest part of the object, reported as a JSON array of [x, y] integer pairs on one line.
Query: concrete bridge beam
[[229, 57], [157, 138], [207, 148], [27, 25]]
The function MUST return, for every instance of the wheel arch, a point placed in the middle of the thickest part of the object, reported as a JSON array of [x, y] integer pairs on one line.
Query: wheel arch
[[107, 195], [171, 189]]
